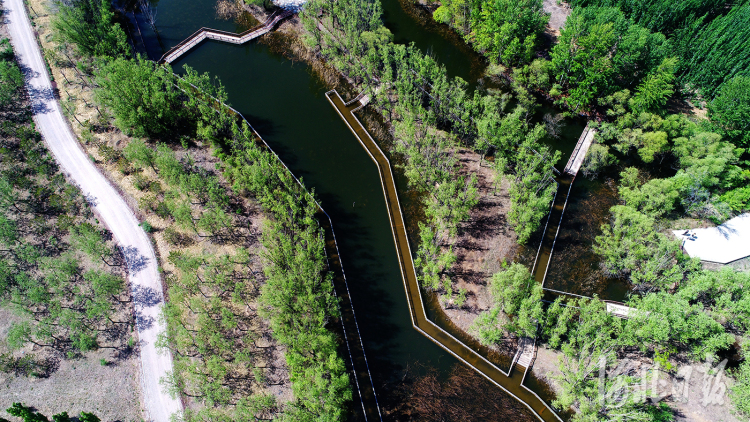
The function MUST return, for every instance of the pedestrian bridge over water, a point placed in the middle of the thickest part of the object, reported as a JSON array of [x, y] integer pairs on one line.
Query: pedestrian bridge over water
[[202, 34]]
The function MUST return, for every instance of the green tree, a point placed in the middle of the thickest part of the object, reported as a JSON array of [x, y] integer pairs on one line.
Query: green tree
[[601, 52], [519, 295], [730, 110], [137, 152], [143, 96], [740, 391], [11, 80], [652, 94], [26, 413], [90, 25], [631, 247]]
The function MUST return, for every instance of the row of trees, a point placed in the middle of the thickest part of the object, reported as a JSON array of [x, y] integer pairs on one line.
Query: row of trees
[[433, 116], [298, 297], [27, 414], [506, 31], [219, 303], [57, 269]]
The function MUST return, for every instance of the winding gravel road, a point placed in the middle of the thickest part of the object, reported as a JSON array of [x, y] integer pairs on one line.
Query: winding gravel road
[[145, 281]]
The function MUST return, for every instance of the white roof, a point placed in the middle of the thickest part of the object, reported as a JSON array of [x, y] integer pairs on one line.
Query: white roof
[[722, 244]]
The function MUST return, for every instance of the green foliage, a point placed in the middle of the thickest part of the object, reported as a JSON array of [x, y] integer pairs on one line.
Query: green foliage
[[601, 52], [740, 391], [488, 327], [296, 279], [11, 80], [143, 97], [531, 190], [137, 152], [146, 226], [48, 237], [660, 15], [738, 199], [730, 111], [505, 31], [517, 294], [631, 246], [652, 94], [655, 198], [597, 159], [90, 25], [671, 319], [26, 413], [713, 52], [61, 417], [587, 336]]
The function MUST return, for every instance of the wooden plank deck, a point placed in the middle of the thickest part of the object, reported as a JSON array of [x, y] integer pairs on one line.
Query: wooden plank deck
[[579, 153], [619, 310], [214, 34], [526, 352], [512, 381]]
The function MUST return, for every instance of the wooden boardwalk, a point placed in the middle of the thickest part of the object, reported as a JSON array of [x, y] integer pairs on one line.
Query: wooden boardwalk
[[526, 352], [619, 310], [512, 381], [557, 210], [202, 34], [579, 153]]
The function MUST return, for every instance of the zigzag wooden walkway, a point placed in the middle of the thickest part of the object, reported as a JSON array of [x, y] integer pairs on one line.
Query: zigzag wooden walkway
[[188, 43], [512, 381], [565, 183]]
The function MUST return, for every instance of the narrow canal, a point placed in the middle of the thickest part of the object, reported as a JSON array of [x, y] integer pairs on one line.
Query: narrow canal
[[285, 103]]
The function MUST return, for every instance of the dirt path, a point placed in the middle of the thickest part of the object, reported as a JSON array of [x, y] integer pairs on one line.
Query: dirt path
[[559, 12], [144, 278]]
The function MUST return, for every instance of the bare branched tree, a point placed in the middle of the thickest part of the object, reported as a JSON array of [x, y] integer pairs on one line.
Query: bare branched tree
[[148, 12]]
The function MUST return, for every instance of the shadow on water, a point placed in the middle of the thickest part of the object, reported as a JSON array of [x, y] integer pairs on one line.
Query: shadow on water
[[410, 23], [284, 102], [286, 105]]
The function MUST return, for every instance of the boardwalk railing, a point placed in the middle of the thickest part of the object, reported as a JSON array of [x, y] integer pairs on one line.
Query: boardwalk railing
[[511, 382], [559, 203], [202, 34], [356, 349]]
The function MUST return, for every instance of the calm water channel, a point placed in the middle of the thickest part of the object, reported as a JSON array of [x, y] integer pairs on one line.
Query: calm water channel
[[284, 101], [286, 105]]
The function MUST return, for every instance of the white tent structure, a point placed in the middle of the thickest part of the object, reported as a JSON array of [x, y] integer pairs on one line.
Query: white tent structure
[[721, 244]]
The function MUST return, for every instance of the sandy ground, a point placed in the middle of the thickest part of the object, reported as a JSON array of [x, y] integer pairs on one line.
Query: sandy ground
[[559, 12], [112, 392], [144, 278], [484, 241], [81, 100]]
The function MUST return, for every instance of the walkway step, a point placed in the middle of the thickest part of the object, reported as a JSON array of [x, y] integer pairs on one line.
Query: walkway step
[[511, 382]]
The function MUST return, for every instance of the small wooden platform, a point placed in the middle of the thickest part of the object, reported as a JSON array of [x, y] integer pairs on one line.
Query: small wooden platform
[[526, 351], [579, 153], [619, 310]]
